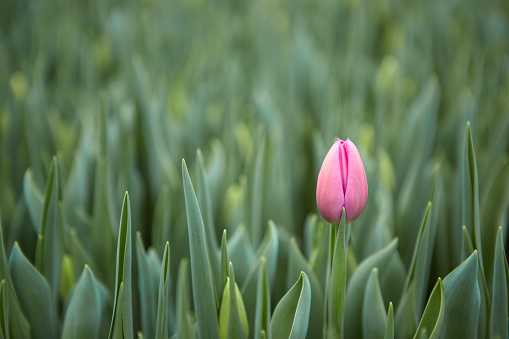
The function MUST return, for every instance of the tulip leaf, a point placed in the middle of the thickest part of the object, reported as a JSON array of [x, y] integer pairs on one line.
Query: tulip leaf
[[357, 286], [50, 244], [205, 203], [164, 291], [472, 214], [123, 325], [83, 315], [184, 328], [205, 297], [291, 315], [297, 263], [256, 226], [224, 261], [499, 313], [147, 284], [468, 247], [389, 326], [241, 253], [462, 300], [34, 295], [373, 311], [433, 317], [262, 316], [232, 320], [161, 225], [34, 199]]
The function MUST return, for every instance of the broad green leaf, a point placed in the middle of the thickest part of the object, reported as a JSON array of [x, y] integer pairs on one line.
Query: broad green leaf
[[389, 326], [462, 300], [123, 277], [297, 263], [147, 284], [34, 295], [184, 328], [164, 293], [373, 311], [83, 315], [205, 297], [50, 245], [262, 315], [433, 317], [291, 315], [357, 286], [34, 198], [499, 314]]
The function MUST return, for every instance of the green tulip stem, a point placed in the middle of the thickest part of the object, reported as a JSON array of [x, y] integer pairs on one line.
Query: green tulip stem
[[337, 282]]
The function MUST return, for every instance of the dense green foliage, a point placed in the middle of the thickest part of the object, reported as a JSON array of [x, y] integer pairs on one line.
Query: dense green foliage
[[102, 97]]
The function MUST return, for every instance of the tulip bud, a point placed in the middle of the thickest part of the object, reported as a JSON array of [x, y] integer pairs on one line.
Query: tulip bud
[[342, 183]]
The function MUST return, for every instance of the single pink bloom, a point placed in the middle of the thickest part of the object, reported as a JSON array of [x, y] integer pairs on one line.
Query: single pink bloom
[[342, 183]]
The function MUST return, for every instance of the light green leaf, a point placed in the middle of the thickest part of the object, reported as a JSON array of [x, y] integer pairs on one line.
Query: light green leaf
[[205, 297], [262, 315], [433, 317], [297, 263], [123, 277], [373, 311], [389, 326], [184, 329], [34, 199], [232, 318], [164, 292], [291, 315], [256, 226], [34, 295], [83, 315], [499, 313], [357, 286], [224, 262], [462, 300]]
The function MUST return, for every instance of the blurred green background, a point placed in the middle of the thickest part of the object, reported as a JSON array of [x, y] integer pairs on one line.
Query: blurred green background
[[129, 88]]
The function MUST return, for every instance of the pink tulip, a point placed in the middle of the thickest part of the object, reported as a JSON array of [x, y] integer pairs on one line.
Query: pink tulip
[[342, 183]]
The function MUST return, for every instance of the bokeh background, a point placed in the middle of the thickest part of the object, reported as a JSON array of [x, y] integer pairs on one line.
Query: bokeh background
[[121, 91]]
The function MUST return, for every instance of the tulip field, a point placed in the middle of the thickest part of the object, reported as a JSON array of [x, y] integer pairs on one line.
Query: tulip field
[[268, 169]]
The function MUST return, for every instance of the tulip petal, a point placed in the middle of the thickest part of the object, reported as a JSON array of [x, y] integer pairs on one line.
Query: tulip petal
[[356, 191], [330, 201]]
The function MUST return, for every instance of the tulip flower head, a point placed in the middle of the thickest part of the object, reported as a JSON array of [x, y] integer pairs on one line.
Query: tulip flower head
[[342, 183]]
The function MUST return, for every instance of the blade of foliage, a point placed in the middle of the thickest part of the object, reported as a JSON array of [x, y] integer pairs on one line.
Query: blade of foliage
[[34, 198], [262, 315], [184, 329], [291, 315], [433, 317], [462, 300], [34, 295], [256, 226], [389, 326], [205, 297], [224, 262], [161, 225], [147, 284], [123, 302], [83, 315], [499, 313], [297, 263], [373, 310], [232, 320], [357, 286], [164, 292], [467, 246], [241, 253], [50, 245]]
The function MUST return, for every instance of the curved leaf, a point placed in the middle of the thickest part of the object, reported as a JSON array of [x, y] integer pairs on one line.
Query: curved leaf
[[205, 297], [462, 300], [262, 317], [184, 328], [291, 316], [34, 199], [433, 317], [34, 295], [373, 311], [164, 292], [389, 326], [499, 315], [357, 286], [83, 315]]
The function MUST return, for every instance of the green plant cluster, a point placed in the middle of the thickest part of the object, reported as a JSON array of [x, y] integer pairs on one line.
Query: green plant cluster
[[102, 97]]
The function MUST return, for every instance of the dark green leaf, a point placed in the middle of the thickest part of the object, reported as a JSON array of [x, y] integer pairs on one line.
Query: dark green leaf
[[34, 198], [499, 313]]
